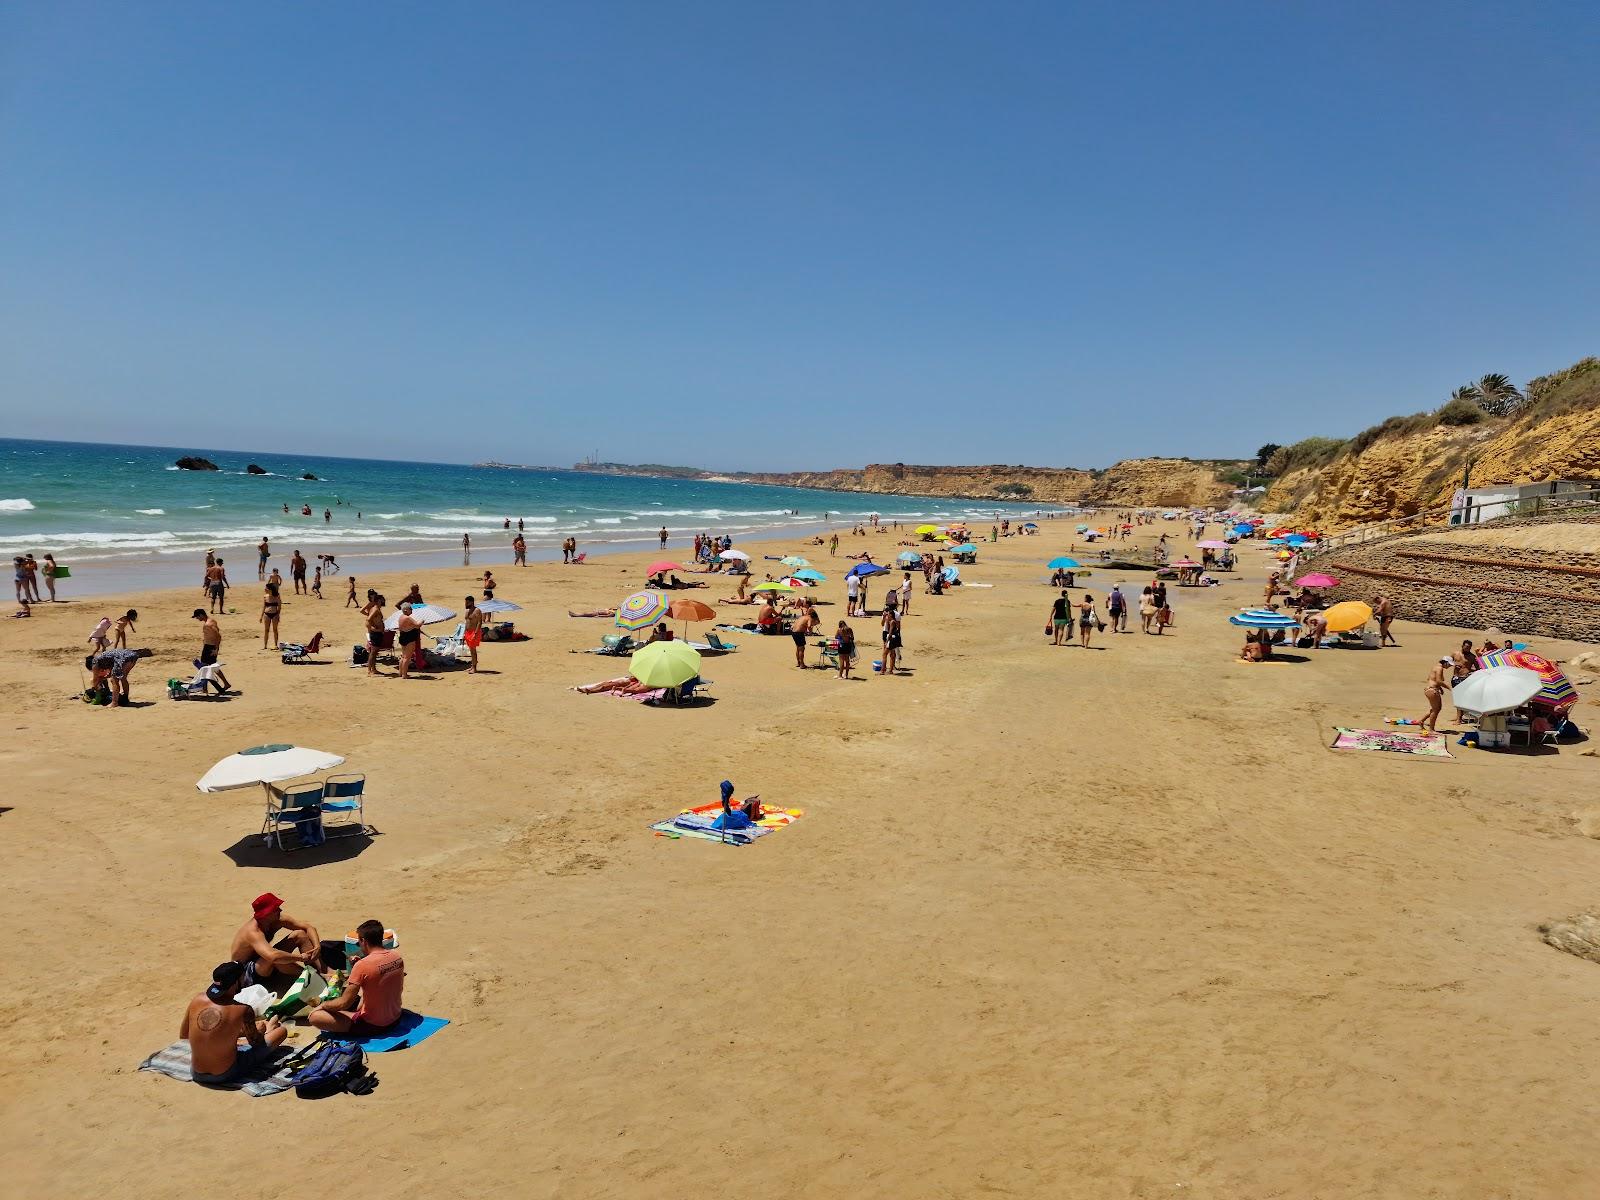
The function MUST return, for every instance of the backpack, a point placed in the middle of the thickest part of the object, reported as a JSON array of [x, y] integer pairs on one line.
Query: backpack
[[335, 1067]]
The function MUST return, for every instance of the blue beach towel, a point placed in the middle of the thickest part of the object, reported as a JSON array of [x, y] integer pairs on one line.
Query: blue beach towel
[[410, 1030]]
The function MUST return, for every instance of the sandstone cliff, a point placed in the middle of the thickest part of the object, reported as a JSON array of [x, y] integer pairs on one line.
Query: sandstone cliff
[[1138, 482]]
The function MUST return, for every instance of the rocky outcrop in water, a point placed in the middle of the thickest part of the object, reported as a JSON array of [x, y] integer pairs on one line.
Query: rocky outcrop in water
[[308, 475], [255, 470], [191, 463]]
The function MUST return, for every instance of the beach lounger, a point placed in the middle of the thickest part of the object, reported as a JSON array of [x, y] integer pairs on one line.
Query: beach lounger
[[195, 689], [294, 652], [299, 805], [342, 797], [716, 643]]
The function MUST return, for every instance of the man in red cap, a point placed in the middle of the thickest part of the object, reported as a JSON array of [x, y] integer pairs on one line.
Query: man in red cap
[[262, 960]]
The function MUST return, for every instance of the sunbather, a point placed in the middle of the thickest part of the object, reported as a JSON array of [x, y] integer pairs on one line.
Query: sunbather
[[598, 612], [623, 685], [215, 1021], [265, 962], [371, 1000]]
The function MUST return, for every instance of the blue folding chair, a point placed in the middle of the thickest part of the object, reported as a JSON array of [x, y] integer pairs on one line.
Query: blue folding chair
[[342, 797], [298, 805]]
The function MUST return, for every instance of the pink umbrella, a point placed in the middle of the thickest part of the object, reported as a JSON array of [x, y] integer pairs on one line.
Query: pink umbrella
[[1316, 580], [1212, 544], [661, 568]]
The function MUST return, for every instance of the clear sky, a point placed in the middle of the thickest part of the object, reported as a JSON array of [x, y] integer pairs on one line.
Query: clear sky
[[784, 236]]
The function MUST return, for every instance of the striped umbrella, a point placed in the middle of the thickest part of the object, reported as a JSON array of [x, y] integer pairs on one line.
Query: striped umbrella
[[794, 560], [1264, 618], [641, 609], [1555, 690]]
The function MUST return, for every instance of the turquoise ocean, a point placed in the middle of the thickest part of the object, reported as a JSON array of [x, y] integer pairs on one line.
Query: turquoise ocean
[[130, 511]]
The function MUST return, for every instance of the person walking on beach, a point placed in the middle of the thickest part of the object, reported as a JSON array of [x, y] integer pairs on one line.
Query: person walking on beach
[[833, 546], [1433, 690], [49, 571], [350, 600], [316, 583], [519, 552], [846, 638], [1118, 608], [20, 578], [271, 608], [1087, 619], [297, 572], [263, 552], [473, 633], [1060, 617], [1383, 609], [466, 549], [372, 612], [905, 595], [211, 645], [216, 584]]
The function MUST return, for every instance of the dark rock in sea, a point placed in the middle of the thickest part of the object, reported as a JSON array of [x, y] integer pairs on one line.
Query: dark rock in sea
[[190, 463], [308, 475], [255, 470]]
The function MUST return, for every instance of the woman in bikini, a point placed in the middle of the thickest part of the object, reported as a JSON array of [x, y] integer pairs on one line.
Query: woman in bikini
[[271, 606], [1434, 691], [372, 611]]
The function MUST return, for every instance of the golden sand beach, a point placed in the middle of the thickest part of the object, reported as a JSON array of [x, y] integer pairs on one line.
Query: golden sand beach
[[1056, 922]]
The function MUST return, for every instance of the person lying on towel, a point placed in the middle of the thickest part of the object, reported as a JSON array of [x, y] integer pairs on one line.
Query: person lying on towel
[[370, 1002], [214, 1023]]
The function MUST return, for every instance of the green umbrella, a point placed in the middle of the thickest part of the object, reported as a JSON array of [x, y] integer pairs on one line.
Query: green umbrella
[[664, 664]]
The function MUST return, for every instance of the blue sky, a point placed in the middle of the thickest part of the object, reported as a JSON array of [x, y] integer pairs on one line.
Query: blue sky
[[765, 236]]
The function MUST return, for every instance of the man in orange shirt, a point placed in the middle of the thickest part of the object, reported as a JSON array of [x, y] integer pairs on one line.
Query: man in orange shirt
[[370, 1002]]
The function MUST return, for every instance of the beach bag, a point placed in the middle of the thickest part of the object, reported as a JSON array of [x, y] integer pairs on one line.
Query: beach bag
[[332, 1069], [358, 656]]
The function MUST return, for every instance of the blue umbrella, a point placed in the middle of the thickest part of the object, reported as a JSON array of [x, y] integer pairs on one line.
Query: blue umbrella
[[909, 557], [951, 574], [1083, 529], [1029, 525], [1242, 529], [967, 548], [866, 569], [1264, 618], [812, 574], [1066, 564], [1297, 539]]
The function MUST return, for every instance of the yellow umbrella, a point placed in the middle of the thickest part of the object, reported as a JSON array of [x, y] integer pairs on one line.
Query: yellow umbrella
[[1352, 614], [772, 587], [664, 664], [927, 529]]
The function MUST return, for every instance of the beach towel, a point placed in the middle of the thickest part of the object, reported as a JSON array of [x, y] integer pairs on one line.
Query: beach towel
[[410, 1030], [697, 823], [268, 1079], [1418, 745]]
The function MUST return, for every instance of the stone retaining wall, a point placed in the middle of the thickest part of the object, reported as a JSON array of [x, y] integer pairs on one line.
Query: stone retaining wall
[[1431, 578]]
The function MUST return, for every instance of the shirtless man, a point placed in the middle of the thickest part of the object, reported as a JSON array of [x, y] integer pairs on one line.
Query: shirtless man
[[473, 634], [297, 572], [215, 1021], [372, 611], [1383, 609], [804, 624], [264, 552], [216, 584], [1434, 691], [261, 961], [210, 643]]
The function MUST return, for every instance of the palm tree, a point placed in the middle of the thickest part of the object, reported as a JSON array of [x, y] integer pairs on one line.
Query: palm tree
[[1495, 394]]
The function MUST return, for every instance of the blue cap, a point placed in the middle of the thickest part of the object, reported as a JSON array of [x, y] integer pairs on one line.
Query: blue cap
[[727, 789]]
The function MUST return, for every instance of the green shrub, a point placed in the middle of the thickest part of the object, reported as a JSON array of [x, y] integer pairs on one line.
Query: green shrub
[[1459, 412]]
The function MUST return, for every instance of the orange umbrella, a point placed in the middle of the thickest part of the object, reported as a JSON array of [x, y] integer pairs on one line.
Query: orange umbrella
[[686, 610]]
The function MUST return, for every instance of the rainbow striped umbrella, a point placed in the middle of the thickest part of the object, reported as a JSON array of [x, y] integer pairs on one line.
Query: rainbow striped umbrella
[[641, 609], [1264, 618], [1555, 689]]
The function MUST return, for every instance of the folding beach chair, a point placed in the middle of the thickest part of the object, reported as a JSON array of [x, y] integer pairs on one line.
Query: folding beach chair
[[716, 643], [195, 689], [294, 652], [299, 805], [452, 644], [342, 797]]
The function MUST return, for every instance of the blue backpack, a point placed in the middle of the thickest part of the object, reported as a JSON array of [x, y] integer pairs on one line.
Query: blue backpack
[[334, 1067]]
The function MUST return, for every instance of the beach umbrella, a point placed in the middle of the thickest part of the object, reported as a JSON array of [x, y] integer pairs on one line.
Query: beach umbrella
[[661, 568], [921, 529], [909, 556], [1496, 689], [794, 581], [1063, 564], [965, 548], [1083, 529], [1555, 690], [1029, 525], [1317, 580], [772, 587], [664, 664], [498, 606], [266, 765], [690, 610], [950, 574], [1244, 527], [424, 614], [1212, 544], [865, 569], [1264, 618], [1352, 614], [1184, 562], [794, 560], [1297, 539], [811, 575], [739, 554], [641, 609]]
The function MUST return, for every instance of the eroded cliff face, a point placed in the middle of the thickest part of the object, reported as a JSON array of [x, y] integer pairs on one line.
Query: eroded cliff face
[[1401, 476], [1137, 482]]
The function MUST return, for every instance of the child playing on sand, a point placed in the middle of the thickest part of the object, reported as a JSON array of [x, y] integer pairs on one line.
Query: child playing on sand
[[124, 623], [316, 583]]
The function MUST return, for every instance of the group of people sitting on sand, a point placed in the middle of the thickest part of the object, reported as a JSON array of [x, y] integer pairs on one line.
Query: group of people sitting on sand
[[348, 993]]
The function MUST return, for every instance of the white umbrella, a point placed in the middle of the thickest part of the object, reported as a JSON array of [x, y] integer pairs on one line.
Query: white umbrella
[[266, 765], [1496, 689], [423, 614], [491, 606], [739, 554]]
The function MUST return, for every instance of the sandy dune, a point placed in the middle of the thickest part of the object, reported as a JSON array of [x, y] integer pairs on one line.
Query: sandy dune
[[1057, 922]]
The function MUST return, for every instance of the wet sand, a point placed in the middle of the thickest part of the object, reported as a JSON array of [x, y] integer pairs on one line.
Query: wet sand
[[1056, 922]]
